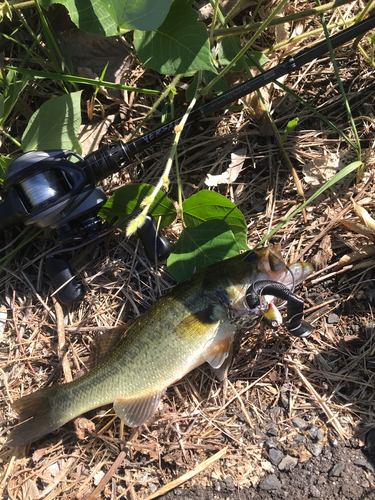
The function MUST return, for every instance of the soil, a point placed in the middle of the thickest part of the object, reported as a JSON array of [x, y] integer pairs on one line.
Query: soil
[[342, 471]]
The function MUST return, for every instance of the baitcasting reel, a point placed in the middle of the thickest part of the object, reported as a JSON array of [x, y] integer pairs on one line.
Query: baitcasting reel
[[46, 189]]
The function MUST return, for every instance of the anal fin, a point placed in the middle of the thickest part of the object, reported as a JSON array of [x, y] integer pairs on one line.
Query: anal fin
[[136, 411]]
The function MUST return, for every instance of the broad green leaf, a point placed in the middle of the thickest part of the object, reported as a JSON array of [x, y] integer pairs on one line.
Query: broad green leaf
[[229, 48], [254, 56], [113, 17], [128, 199], [200, 247], [207, 205], [55, 125], [12, 87], [4, 163], [180, 45]]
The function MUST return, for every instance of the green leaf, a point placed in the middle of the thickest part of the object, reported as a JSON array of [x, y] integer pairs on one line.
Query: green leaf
[[55, 125], [291, 126], [180, 45], [1, 105], [4, 163], [113, 17], [229, 48], [200, 247], [207, 205], [256, 58], [128, 199]]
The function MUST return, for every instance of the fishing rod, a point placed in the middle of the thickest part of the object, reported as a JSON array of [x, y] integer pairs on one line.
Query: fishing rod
[[48, 190], [107, 160]]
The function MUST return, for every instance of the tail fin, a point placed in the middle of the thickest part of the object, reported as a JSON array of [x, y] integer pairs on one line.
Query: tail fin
[[36, 417]]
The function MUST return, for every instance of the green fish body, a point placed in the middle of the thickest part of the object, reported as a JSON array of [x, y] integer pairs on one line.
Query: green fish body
[[193, 324]]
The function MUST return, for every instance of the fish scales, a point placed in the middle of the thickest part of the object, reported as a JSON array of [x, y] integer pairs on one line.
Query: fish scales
[[192, 324]]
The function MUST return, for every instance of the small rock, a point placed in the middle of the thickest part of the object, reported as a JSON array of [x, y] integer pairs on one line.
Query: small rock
[[300, 423], [314, 492], [275, 412], [300, 438], [362, 462], [370, 441], [275, 456], [288, 463], [152, 487], [271, 442], [272, 431], [313, 431], [284, 400], [315, 448], [229, 483], [337, 469], [333, 319], [320, 435], [270, 482]]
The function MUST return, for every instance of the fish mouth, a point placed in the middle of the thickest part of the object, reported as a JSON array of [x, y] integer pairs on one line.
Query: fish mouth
[[272, 268]]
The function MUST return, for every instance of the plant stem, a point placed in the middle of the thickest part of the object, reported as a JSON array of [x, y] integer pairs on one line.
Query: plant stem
[[239, 30], [164, 179], [245, 48], [342, 90], [156, 104], [214, 17], [41, 75]]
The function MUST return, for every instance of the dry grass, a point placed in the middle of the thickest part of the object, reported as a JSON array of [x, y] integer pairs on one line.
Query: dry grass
[[328, 379]]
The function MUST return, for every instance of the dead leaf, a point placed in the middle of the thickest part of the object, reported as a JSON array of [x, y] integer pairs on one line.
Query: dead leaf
[[230, 175], [357, 228], [91, 134], [365, 216], [324, 254], [93, 52], [30, 490], [82, 425]]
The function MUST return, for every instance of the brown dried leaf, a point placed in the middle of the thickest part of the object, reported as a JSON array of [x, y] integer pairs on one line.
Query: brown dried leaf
[[324, 254], [365, 216], [358, 228], [82, 425], [233, 171], [91, 134]]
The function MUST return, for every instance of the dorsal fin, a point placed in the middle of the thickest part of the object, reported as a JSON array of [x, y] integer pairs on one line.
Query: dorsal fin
[[104, 343]]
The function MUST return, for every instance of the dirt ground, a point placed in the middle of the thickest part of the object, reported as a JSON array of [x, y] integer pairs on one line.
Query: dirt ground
[[295, 418]]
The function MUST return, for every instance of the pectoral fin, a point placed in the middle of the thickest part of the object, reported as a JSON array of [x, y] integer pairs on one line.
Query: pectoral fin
[[219, 356], [221, 371], [137, 411]]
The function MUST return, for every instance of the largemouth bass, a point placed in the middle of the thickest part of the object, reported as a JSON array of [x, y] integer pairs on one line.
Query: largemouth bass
[[193, 324]]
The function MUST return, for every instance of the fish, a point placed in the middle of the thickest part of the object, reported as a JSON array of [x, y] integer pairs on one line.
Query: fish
[[193, 324]]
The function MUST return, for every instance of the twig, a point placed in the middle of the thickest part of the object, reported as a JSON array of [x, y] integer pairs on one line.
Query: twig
[[61, 347], [116, 464], [348, 207], [336, 424], [177, 482], [17, 331]]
